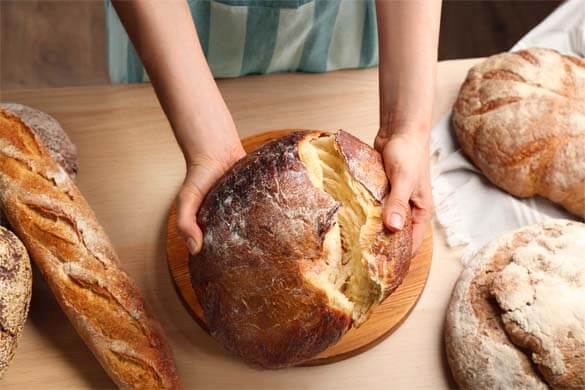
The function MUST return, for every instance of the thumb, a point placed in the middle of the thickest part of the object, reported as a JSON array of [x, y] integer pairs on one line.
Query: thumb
[[198, 182], [396, 205]]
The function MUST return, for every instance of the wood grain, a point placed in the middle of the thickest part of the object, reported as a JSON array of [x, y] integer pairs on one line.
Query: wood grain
[[384, 319], [130, 169]]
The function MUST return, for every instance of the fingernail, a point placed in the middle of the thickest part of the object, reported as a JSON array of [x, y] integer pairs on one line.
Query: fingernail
[[396, 221], [192, 244]]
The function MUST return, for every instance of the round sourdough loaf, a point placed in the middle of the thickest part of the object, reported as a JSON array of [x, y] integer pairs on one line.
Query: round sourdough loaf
[[294, 249], [520, 117], [516, 319], [15, 291], [51, 134]]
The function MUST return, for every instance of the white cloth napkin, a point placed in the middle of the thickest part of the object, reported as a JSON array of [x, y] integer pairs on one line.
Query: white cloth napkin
[[471, 209]]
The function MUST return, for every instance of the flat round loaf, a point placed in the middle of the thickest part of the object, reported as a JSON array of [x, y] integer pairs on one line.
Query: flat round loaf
[[15, 291], [516, 319], [520, 117], [294, 249]]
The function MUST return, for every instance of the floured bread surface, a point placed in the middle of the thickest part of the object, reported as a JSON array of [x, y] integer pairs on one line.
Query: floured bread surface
[[520, 117], [15, 292], [51, 134], [295, 251], [517, 315]]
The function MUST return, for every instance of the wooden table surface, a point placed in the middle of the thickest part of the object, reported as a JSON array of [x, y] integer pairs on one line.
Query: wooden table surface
[[130, 169]]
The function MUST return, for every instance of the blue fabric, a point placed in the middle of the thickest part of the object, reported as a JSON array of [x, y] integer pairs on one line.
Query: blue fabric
[[261, 30], [246, 33], [369, 52], [314, 57]]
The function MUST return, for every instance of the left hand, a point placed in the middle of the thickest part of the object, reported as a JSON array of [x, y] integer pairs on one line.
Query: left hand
[[406, 160]]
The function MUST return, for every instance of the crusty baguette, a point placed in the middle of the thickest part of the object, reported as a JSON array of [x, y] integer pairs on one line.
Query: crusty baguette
[[60, 231], [50, 132]]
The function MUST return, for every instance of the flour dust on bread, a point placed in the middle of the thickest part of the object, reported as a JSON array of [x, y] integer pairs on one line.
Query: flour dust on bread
[[52, 135], [295, 251], [517, 315], [61, 233], [15, 292], [520, 117]]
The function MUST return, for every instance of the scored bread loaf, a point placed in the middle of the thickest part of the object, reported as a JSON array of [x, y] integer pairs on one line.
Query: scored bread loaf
[[516, 319], [51, 134], [59, 229], [295, 252], [519, 118], [15, 291]]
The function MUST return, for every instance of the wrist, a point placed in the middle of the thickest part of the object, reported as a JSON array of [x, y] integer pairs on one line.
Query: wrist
[[418, 131], [416, 125], [208, 132]]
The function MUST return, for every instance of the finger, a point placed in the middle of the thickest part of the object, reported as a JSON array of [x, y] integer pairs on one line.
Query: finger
[[420, 224], [396, 205], [381, 140], [422, 213], [188, 202], [198, 182]]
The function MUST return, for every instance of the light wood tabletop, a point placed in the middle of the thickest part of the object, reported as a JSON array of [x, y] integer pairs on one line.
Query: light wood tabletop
[[130, 168]]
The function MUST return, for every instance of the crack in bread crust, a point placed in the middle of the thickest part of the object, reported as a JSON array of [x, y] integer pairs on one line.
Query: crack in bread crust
[[516, 318], [271, 232]]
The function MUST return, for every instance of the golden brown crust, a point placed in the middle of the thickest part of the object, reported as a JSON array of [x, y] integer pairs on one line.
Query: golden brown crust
[[51, 134], [367, 167], [518, 117], [63, 237], [15, 292], [364, 163], [262, 223]]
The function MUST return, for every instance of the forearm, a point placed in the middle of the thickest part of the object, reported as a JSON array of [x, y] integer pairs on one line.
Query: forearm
[[164, 35], [408, 39]]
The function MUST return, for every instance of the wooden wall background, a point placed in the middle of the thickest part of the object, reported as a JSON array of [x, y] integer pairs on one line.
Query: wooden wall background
[[48, 43]]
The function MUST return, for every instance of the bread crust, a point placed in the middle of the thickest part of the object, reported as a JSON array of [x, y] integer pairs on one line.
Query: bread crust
[[49, 214], [367, 167], [501, 328], [263, 222], [51, 134], [15, 292], [519, 118]]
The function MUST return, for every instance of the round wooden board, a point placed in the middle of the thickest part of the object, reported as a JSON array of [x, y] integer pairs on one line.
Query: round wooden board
[[383, 320]]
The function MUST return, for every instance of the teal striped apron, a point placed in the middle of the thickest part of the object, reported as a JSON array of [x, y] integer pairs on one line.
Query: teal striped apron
[[241, 37]]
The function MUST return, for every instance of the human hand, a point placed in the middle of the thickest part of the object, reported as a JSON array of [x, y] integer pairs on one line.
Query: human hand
[[203, 170], [406, 161]]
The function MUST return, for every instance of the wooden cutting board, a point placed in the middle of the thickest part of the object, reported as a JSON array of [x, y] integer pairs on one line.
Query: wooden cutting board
[[384, 319]]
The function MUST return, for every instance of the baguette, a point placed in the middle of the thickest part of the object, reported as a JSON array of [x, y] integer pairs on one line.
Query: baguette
[[60, 231]]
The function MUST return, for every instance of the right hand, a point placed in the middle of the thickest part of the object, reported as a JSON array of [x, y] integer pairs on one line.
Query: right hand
[[203, 171]]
